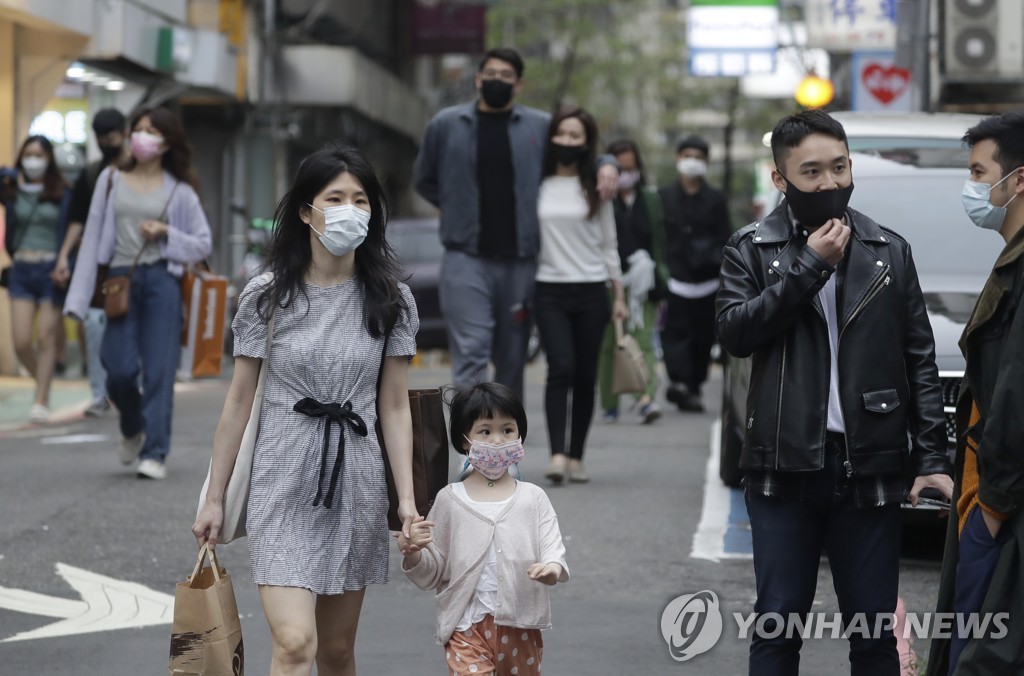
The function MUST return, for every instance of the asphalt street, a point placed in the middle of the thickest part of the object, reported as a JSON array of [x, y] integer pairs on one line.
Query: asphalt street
[[69, 513]]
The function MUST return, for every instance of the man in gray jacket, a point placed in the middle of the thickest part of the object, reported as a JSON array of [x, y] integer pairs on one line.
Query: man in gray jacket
[[481, 164]]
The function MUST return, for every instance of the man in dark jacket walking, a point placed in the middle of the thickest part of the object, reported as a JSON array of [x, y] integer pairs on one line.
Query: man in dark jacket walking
[[481, 163], [985, 542], [828, 305], [696, 228]]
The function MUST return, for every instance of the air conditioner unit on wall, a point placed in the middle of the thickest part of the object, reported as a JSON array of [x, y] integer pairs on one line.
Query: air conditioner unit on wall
[[983, 39]]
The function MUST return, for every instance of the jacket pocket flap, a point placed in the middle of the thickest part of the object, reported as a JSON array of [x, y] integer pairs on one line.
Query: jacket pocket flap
[[881, 401]]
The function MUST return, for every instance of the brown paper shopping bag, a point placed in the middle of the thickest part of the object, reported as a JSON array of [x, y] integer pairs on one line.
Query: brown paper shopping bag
[[206, 636]]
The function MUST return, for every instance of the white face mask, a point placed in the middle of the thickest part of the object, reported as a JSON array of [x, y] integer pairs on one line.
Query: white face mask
[[34, 167], [691, 167], [345, 228], [977, 203]]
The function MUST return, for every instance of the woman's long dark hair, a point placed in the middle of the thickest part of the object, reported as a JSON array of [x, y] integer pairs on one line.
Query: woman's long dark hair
[[177, 160], [54, 184], [587, 164], [290, 253]]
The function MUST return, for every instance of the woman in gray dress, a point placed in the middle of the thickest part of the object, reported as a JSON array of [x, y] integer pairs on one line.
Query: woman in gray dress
[[317, 511]]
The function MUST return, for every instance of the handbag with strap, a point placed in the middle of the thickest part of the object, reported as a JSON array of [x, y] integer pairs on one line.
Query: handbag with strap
[[117, 289], [429, 448], [236, 493], [629, 368]]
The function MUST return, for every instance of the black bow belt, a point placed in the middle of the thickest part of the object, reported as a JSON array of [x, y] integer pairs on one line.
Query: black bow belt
[[338, 414]]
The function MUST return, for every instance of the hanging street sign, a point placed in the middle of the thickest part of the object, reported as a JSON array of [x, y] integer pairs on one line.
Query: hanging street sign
[[732, 38], [851, 25]]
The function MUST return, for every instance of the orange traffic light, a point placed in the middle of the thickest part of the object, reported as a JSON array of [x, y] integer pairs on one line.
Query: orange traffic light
[[814, 92]]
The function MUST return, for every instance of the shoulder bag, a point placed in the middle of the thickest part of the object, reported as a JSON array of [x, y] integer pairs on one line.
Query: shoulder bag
[[429, 448], [629, 369], [236, 493]]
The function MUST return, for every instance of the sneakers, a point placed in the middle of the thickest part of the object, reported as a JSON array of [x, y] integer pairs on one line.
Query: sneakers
[[98, 408], [556, 468], [649, 412], [151, 469], [577, 472], [130, 447], [38, 413], [611, 415]]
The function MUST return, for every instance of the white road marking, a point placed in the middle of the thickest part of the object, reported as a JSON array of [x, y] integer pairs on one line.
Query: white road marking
[[709, 540], [106, 605], [75, 439]]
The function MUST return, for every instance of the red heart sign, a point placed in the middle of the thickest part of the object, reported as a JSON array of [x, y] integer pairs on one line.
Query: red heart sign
[[886, 83]]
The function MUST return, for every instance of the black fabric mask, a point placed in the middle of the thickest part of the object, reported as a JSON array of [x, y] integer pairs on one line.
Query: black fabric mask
[[110, 153], [567, 155], [814, 209], [496, 93]]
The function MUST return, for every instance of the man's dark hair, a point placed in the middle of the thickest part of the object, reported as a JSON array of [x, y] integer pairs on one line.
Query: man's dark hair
[[793, 129], [628, 145], [108, 120], [506, 54], [695, 142], [483, 400], [1007, 132]]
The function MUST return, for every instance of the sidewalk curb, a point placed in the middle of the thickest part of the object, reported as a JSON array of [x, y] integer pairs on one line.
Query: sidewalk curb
[[59, 416]]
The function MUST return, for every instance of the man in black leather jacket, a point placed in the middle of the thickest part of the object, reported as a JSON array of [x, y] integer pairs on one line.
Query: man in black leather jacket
[[844, 398]]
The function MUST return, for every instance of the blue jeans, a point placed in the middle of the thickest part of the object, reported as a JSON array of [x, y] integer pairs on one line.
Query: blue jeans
[[95, 325], [863, 548], [148, 340]]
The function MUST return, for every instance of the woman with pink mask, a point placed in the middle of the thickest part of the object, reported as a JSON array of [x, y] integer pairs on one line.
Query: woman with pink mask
[[145, 221]]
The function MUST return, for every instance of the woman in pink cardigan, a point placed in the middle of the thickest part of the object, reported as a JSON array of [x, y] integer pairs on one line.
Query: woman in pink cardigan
[[145, 220], [495, 547]]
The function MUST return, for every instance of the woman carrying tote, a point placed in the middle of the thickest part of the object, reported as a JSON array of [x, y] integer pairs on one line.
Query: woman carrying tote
[[145, 221], [317, 509], [579, 260]]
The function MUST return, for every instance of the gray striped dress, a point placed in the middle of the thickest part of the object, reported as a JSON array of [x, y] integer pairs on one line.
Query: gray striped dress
[[320, 350]]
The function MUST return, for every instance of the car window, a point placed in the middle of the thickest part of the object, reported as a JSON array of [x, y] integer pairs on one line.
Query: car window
[[416, 245], [928, 213], [917, 152]]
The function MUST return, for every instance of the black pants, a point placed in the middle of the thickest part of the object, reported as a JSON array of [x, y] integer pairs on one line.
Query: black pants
[[863, 548], [687, 339], [571, 318]]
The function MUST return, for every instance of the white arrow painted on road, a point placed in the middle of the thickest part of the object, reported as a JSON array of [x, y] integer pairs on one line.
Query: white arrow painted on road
[[106, 605]]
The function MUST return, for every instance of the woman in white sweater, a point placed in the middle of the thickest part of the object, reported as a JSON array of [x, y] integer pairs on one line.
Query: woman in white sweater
[[579, 258]]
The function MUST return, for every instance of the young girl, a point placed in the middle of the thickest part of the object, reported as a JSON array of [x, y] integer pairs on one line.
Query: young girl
[[495, 546]]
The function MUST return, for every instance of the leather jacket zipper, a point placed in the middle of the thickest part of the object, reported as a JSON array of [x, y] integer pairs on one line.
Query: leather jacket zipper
[[778, 419], [879, 283]]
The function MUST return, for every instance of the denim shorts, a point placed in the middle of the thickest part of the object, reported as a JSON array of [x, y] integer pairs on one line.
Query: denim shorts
[[31, 281]]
